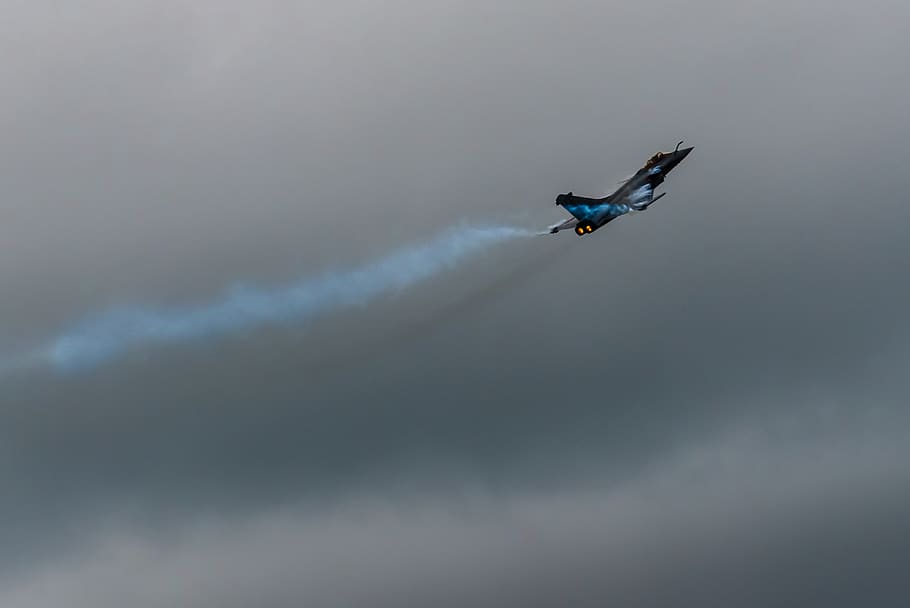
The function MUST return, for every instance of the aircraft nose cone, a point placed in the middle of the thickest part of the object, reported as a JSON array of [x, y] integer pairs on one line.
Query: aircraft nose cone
[[674, 158]]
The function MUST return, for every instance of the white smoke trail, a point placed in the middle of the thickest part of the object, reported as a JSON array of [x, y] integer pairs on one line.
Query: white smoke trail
[[113, 333]]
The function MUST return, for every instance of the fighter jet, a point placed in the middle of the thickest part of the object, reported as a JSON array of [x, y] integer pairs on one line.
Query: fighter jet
[[634, 194]]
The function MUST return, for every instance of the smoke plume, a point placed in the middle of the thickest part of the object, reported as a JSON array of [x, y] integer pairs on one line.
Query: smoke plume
[[103, 337]]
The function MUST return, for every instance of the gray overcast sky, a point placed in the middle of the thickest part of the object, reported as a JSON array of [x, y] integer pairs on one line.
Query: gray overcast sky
[[704, 404]]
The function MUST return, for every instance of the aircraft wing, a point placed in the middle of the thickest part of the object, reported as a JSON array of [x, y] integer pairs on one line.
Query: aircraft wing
[[584, 209], [596, 210], [568, 224]]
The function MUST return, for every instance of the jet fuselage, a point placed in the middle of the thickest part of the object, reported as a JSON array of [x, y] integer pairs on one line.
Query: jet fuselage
[[635, 194]]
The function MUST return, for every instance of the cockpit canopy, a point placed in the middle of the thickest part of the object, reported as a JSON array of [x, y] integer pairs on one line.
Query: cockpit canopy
[[655, 159]]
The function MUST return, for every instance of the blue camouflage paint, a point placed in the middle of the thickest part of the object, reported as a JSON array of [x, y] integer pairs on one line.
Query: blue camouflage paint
[[588, 212]]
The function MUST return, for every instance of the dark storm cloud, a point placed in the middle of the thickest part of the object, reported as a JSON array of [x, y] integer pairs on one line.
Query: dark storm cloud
[[158, 153], [688, 532]]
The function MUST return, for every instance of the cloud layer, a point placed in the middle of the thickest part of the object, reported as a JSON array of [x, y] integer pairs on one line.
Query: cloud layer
[[706, 400], [732, 521]]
